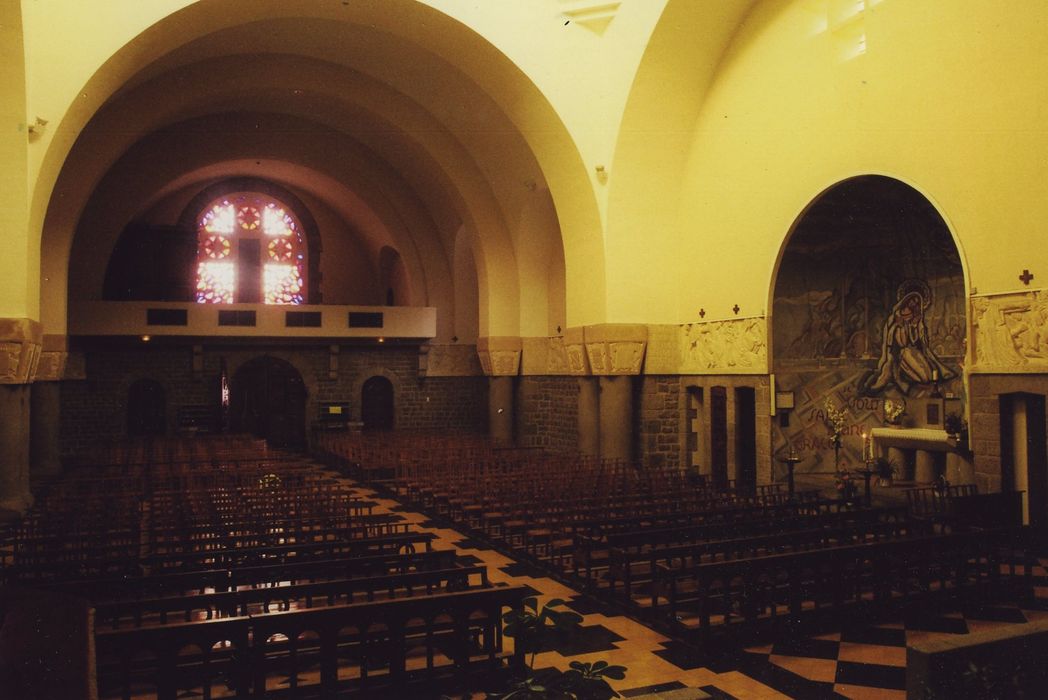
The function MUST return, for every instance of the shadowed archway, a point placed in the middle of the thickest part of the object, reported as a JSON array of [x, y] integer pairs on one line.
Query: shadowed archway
[[268, 399], [377, 404]]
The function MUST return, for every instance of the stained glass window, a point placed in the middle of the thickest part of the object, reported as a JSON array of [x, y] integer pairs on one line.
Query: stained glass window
[[249, 215]]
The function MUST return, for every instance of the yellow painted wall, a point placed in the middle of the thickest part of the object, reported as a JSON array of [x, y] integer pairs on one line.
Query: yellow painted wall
[[715, 135], [948, 97], [644, 232], [17, 297]]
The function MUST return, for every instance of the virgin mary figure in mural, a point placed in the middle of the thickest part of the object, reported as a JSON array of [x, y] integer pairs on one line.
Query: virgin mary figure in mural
[[906, 356]]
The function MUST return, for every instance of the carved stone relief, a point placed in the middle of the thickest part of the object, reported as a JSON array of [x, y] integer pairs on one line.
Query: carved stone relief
[[499, 356], [51, 366], [729, 347], [574, 342], [578, 363], [557, 357], [20, 344], [544, 356], [1010, 332], [622, 357], [616, 349], [504, 363]]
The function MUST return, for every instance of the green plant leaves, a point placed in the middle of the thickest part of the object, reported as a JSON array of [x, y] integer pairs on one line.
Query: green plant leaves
[[533, 627]]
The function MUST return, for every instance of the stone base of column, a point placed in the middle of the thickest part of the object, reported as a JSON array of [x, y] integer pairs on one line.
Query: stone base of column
[[924, 467], [898, 457]]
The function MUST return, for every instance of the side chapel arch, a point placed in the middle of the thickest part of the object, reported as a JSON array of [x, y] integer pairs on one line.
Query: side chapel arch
[[868, 302]]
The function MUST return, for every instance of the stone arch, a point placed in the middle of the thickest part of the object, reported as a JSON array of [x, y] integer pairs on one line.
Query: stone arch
[[365, 375], [464, 59], [806, 207]]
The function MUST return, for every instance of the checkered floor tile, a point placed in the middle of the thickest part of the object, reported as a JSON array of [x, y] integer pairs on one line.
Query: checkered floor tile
[[862, 662]]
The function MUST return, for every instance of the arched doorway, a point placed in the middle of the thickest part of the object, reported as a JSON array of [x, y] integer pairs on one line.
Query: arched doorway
[[146, 409], [268, 399], [376, 404], [869, 304]]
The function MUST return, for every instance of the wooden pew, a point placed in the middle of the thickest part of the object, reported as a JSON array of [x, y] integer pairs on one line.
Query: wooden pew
[[746, 598], [360, 646]]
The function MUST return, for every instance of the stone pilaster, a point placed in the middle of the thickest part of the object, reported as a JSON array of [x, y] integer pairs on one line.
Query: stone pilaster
[[616, 355], [500, 360], [21, 340], [46, 408], [574, 343]]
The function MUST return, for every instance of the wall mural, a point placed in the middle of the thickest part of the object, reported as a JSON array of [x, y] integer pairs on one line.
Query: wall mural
[[869, 305], [907, 358]]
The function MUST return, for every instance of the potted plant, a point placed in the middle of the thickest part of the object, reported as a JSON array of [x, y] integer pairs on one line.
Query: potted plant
[[957, 428], [836, 421], [894, 410], [886, 469], [846, 486], [532, 628]]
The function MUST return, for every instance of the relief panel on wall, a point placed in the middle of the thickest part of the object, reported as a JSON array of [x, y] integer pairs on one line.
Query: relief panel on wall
[[725, 347], [1010, 332]]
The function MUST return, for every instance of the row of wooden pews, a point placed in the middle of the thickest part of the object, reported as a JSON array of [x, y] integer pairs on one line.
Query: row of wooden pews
[[702, 562], [239, 572]]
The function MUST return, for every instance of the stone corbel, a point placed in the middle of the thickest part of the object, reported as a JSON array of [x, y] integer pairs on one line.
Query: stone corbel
[[575, 350], [616, 349], [53, 358], [499, 355], [21, 341]]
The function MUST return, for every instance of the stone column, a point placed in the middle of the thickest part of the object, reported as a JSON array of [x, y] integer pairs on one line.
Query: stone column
[[589, 416], [45, 409], [500, 410], [500, 360], [616, 355], [589, 391], [616, 418], [924, 467], [959, 468], [20, 344]]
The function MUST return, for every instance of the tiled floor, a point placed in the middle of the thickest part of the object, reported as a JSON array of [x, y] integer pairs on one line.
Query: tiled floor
[[861, 662]]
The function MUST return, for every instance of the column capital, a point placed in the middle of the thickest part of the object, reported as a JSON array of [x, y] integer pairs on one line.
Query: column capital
[[21, 340], [616, 348], [500, 355]]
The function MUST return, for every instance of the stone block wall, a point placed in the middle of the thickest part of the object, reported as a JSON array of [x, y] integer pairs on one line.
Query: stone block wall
[[985, 420], [547, 413], [658, 434], [95, 409]]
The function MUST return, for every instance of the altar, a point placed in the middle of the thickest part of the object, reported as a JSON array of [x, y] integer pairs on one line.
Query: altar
[[898, 443]]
